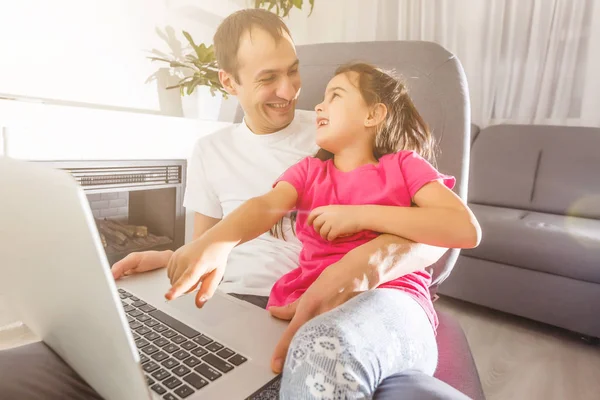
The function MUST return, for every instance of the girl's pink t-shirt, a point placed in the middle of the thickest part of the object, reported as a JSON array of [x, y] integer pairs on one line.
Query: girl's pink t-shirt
[[392, 182]]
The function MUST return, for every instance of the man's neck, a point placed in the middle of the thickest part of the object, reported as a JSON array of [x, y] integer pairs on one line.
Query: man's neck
[[258, 129]]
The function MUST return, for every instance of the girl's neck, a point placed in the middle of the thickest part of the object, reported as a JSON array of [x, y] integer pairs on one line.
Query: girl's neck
[[351, 159]]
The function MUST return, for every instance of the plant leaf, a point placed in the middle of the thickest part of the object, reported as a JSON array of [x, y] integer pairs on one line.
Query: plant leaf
[[182, 83], [152, 78], [175, 86], [159, 53], [189, 39], [285, 8], [312, 5], [159, 59], [210, 53], [172, 63]]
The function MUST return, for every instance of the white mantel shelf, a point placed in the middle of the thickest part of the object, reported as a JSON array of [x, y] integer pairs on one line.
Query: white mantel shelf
[[34, 131]]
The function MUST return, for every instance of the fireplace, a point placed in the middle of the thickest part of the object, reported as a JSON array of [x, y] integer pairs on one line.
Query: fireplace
[[137, 205]]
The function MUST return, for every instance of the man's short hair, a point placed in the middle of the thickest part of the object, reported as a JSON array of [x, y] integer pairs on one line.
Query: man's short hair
[[228, 35]]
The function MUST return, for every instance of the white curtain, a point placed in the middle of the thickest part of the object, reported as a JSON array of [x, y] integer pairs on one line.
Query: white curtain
[[527, 61]]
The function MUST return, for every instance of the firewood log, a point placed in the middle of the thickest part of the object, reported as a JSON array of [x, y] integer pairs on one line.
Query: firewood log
[[125, 229], [130, 230], [140, 231], [111, 234]]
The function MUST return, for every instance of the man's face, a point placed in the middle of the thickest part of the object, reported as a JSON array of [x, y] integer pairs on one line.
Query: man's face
[[269, 82]]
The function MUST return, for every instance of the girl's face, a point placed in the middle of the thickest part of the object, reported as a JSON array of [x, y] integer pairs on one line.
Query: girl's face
[[342, 117]]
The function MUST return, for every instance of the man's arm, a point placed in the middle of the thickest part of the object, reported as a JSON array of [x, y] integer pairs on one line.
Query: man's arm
[[388, 257]]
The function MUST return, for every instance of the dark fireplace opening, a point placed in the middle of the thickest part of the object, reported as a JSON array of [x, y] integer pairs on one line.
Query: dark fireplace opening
[[120, 238], [137, 205], [134, 221]]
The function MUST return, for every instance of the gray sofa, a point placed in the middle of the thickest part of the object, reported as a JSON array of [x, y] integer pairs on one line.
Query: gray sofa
[[536, 193]]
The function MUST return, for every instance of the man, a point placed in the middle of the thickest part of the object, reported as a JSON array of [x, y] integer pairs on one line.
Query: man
[[258, 65]]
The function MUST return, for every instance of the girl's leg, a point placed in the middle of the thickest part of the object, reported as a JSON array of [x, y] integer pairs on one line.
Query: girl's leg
[[347, 352]]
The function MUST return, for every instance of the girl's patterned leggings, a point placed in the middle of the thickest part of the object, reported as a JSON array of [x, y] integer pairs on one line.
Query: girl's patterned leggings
[[347, 352]]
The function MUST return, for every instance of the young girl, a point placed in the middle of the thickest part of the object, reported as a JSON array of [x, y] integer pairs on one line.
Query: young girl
[[374, 165]]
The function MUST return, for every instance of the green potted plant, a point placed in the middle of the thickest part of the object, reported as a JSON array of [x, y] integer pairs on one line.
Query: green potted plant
[[197, 77], [199, 68]]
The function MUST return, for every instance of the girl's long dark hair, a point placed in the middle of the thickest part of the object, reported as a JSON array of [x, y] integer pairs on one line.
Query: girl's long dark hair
[[403, 128]]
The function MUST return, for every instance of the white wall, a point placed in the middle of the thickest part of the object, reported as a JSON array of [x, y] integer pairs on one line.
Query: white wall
[[32, 131], [94, 51]]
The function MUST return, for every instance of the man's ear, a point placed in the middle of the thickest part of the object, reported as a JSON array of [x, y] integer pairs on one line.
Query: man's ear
[[227, 81], [377, 115]]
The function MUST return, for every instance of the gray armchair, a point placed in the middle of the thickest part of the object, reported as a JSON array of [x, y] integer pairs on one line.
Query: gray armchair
[[438, 87]]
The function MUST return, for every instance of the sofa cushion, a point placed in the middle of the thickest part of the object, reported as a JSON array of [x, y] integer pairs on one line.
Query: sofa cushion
[[539, 168], [560, 245]]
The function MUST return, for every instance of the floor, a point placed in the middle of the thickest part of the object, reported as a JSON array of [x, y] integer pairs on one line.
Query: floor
[[521, 359], [516, 358]]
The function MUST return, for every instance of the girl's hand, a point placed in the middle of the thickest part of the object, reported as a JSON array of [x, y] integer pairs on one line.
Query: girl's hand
[[198, 263], [332, 222]]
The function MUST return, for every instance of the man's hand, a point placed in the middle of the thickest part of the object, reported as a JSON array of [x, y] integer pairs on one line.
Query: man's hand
[[335, 221], [336, 285], [135, 263], [198, 263]]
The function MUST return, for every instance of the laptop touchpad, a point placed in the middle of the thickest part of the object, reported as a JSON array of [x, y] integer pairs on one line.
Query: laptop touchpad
[[219, 311]]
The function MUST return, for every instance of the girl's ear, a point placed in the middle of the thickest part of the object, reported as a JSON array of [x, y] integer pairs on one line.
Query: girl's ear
[[376, 115]]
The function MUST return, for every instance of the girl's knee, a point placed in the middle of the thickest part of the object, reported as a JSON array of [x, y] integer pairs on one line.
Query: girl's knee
[[321, 336], [328, 346], [321, 363]]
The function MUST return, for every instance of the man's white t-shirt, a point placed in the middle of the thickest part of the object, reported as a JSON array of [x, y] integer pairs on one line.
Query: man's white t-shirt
[[233, 165]]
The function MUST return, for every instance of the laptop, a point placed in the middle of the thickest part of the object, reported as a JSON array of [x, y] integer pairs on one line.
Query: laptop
[[123, 338]]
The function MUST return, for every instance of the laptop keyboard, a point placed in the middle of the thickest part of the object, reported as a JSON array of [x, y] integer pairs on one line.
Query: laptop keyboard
[[177, 360]]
